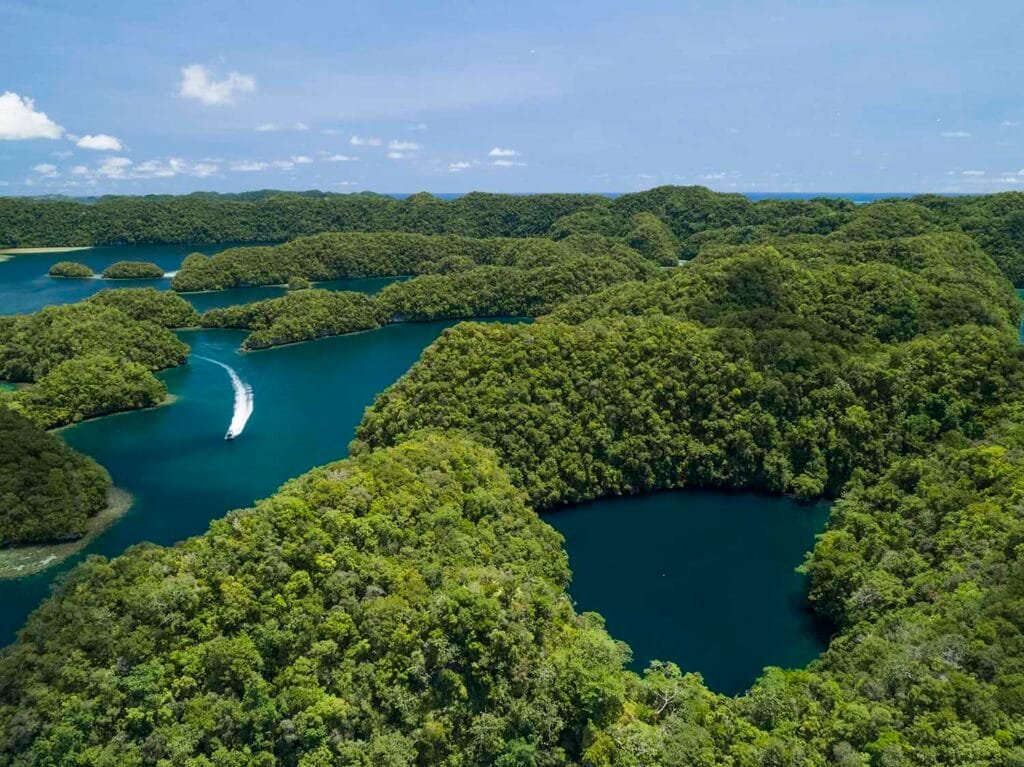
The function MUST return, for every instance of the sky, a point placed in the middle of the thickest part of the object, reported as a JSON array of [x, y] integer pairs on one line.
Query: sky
[[452, 96]]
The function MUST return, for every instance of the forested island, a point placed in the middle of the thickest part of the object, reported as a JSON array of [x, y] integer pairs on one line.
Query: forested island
[[71, 269], [408, 606], [657, 221], [92, 358], [133, 270]]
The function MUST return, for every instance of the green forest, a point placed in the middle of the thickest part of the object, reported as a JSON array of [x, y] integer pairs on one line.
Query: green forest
[[660, 222], [530, 283], [71, 269], [47, 490], [407, 605], [91, 358], [133, 270]]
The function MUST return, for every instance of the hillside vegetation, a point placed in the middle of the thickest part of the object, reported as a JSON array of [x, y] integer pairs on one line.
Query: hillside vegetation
[[408, 607], [47, 490], [91, 358]]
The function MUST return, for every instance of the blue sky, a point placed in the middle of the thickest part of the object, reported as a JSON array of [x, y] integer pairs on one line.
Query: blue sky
[[130, 97]]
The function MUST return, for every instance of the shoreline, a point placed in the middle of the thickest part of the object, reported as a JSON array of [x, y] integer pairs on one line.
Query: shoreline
[[21, 561], [35, 251], [170, 399]]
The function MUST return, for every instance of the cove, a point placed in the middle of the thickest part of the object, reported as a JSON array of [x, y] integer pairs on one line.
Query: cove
[[25, 285], [704, 579], [181, 471]]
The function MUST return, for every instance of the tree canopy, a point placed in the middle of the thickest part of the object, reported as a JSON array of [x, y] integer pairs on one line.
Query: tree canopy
[[47, 490]]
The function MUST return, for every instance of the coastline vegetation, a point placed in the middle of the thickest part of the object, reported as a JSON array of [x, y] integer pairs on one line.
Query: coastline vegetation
[[48, 492], [86, 359], [461, 291], [408, 606], [133, 270], [71, 269]]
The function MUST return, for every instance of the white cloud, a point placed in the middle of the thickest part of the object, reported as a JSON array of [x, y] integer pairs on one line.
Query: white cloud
[[283, 164], [197, 83], [114, 167], [508, 163], [955, 134], [340, 158], [122, 168], [331, 131], [973, 173], [460, 165], [365, 141], [45, 170], [63, 154], [20, 120], [397, 155], [301, 159], [174, 166], [1010, 123], [274, 127], [403, 146], [101, 142], [499, 152], [418, 126], [249, 166], [204, 169]]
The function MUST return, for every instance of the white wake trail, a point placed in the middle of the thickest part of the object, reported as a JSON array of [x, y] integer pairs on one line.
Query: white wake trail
[[243, 400]]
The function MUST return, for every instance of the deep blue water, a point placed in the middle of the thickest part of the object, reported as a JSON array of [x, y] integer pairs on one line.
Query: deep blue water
[[25, 285], [703, 579]]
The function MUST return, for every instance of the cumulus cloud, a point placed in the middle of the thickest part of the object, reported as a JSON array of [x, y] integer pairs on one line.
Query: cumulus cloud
[[45, 170], [973, 173], [249, 166], [101, 142], [500, 152], [365, 141], [274, 127], [459, 165], [1010, 123], [19, 119], [507, 163], [114, 167], [339, 158], [403, 146], [197, 83], [301, 159], [955, 134], [173, 166], [122, 168], [397, 155]]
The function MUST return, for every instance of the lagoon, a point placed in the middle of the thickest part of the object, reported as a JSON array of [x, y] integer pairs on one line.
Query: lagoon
[[703, 579], [25, 285], [175, 461]]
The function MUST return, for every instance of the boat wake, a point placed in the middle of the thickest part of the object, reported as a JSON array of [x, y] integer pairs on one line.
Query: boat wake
[[243, 400]]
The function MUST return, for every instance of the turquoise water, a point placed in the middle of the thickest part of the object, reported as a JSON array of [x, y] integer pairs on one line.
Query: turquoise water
[[704, 579], [176, 463], [25, 285]]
